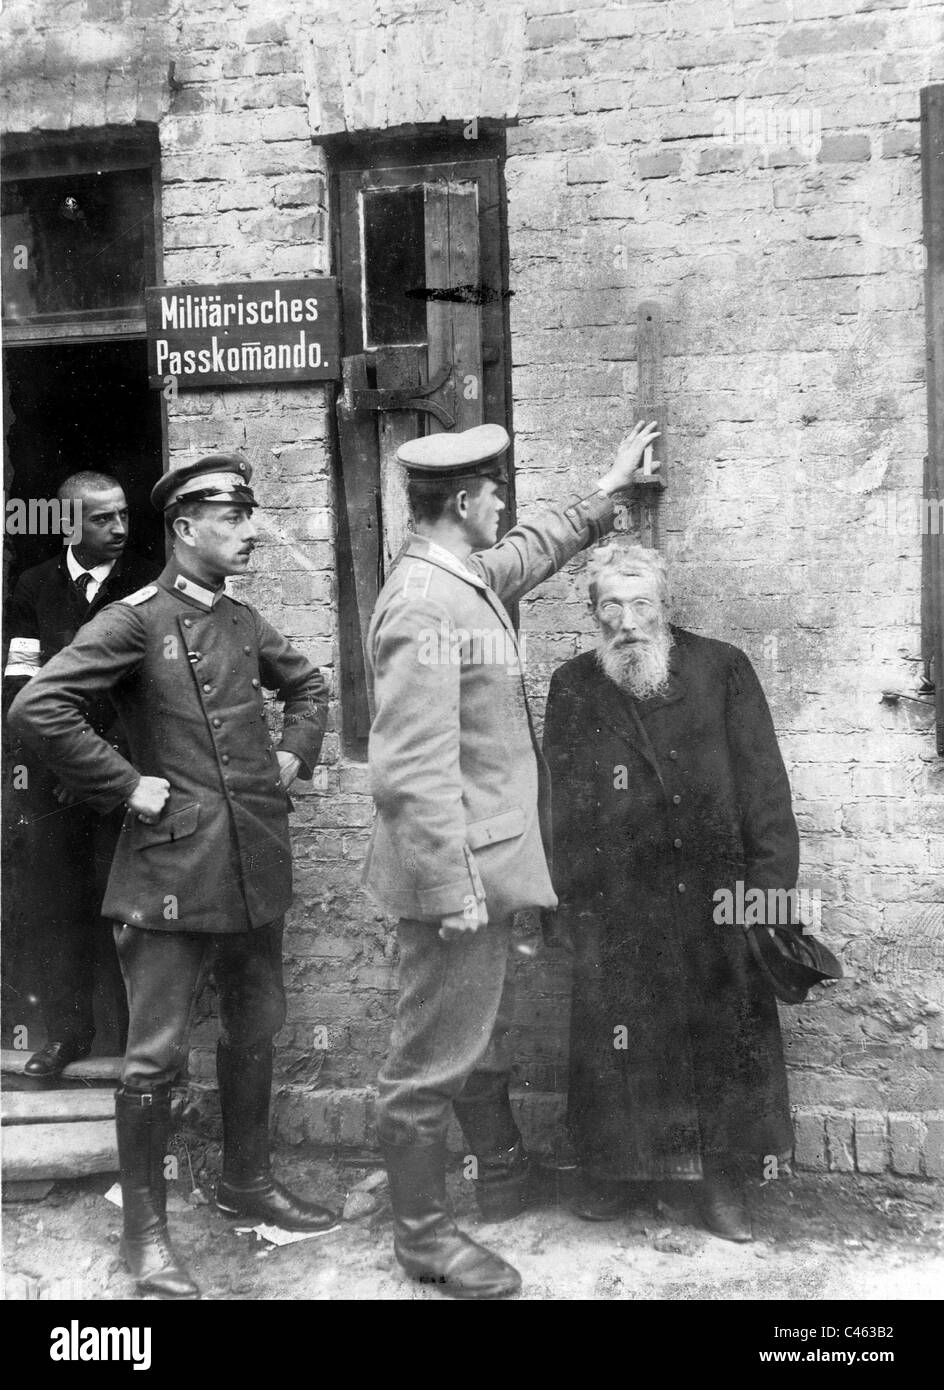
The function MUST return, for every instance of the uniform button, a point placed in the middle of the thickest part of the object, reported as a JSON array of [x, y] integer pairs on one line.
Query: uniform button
[[207, 687], [677, 843], [672, 754], [224, 758], [255, 683], [248, 651], [278, 782], [681, 887], [188, 622], [676, 800], [217, 723]]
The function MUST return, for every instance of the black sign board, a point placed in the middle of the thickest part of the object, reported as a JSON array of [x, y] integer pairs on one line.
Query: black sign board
[[243, 334]]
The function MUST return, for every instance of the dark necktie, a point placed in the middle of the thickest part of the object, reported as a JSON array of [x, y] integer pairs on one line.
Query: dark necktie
[[82, 582]]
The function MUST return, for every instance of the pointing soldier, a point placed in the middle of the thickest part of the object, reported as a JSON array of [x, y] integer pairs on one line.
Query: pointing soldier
[[202, 875], [457, 847]]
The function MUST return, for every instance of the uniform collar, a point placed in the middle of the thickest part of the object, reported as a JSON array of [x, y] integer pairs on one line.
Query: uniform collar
[[179, 582], [420, 547]]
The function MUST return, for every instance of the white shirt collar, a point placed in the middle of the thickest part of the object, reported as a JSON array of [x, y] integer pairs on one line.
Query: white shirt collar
[[99, 573]]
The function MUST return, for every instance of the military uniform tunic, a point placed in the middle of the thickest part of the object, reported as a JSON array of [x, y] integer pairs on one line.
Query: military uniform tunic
[[186, 677], [207, 884], [462, 801]]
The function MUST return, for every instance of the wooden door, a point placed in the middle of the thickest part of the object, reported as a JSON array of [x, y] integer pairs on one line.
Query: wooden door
[[424, 326]]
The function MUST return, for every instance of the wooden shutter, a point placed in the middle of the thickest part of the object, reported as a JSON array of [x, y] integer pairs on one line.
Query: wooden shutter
[[456, 344]]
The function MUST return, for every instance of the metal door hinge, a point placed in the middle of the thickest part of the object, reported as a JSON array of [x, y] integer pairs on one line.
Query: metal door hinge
[[408, 398]]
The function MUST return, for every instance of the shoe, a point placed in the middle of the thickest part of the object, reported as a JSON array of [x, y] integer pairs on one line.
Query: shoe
[[50, 1061], [274, 1204], [427, 1242], [247, 1187], [503, 1187], [601, 1199], [723, 1209], [142, 1120]]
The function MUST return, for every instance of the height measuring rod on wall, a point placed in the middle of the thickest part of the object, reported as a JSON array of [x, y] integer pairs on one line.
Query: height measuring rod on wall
[[650, 405]]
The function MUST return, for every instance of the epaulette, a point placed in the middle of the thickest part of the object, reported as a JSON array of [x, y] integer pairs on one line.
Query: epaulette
[[417, 581], [140, 595]]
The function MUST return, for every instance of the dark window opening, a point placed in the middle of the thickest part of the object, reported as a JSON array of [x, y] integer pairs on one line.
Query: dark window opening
[[77, 244], [76, 406], [394, 263]]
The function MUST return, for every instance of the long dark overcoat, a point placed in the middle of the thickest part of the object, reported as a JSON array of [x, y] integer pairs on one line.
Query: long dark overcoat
[[675, 1047]]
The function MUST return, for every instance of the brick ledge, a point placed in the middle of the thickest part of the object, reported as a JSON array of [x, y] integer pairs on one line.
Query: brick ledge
[[862, 1141]]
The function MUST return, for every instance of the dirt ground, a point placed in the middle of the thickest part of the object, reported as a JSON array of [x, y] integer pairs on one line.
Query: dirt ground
[[834, 1237]]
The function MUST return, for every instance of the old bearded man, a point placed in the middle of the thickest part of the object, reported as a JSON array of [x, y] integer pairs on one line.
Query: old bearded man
[[668, 788]]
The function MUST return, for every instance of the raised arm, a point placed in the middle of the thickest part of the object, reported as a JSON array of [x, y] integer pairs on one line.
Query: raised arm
[[534, 550]]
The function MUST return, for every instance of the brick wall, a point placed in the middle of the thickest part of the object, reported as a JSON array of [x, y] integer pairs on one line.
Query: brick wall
[[753, 165]]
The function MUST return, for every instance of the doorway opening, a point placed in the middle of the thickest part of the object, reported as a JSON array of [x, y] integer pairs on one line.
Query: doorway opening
[[81, 406]]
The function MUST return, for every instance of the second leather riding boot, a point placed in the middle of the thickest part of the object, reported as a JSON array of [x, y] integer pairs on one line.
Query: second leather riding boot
[[503, 1169], [142, 1121], [247, 1187], [427, 1242]]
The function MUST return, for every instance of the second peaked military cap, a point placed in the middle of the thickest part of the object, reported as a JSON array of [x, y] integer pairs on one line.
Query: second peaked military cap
[[460, 454], [215, 478]]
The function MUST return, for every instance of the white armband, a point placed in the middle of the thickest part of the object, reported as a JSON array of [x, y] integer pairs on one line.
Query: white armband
[[23, 657]]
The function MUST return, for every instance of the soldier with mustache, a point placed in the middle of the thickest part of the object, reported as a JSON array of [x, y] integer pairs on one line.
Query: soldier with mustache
[[202, 876]]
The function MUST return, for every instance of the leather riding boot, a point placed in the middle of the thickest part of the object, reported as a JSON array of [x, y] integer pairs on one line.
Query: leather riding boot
[[720, 1197], [247, 1187], [503, 1177], [142, 1119], [428, 1244]]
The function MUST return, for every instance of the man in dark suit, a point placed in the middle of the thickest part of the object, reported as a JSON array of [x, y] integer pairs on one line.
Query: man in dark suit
[[202, 876], [68, 846], [668, 790]]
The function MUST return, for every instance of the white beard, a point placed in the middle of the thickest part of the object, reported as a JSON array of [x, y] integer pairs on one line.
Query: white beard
[[641, 668]]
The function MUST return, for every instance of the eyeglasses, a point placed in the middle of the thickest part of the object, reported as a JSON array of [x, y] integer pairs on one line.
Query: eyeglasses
[[613, 611]]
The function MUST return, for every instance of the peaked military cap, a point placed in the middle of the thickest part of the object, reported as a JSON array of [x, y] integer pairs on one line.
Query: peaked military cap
[[215, 478], [460, 454]]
